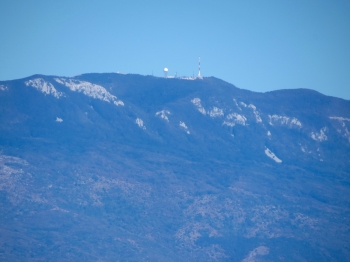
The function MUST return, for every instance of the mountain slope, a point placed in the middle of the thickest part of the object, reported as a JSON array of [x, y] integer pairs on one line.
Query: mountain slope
[[132, 168]]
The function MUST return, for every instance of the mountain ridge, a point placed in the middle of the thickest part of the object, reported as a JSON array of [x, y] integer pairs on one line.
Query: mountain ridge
[[133, 168]]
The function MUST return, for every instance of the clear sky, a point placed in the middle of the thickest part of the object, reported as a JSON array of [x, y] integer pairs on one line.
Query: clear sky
[[260, 45]]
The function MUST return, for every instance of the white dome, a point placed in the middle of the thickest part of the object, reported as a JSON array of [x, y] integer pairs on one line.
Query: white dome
[[166, 70]]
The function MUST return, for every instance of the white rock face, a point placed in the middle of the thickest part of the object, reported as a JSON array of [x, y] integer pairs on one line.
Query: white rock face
[[118, 103], [271, 155], [216, 112], [234, 118], [252, 106], [256, 113], [296, 122], [255, 254], [163, 114], [304, 149], [243, 104], [347, 134], [197, 103], [234, 100], [183, 125], [284, 120], [59, 119], [44, 87], [89, 89], [339, 118], [257, 117], [139, 122], [321, 136], [342, 128]]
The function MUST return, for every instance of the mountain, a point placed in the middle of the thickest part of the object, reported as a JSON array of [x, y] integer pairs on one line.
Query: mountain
[[113, 167]]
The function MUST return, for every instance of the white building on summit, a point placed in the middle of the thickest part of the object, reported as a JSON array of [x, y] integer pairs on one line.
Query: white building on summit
[[193, 77], [166, 70]]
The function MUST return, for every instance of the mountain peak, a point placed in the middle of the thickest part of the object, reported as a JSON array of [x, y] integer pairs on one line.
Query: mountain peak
[[172, 169]]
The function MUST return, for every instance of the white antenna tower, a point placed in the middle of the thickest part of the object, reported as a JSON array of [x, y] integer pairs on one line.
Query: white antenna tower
[[199, 67]]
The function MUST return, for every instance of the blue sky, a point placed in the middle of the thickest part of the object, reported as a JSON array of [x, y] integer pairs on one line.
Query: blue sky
[[255, 45]]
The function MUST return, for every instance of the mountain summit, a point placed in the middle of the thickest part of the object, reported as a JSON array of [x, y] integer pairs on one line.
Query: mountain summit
[[112, 167]]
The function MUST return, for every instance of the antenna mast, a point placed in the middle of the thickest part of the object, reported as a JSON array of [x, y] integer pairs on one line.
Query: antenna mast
[[199, 67]]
